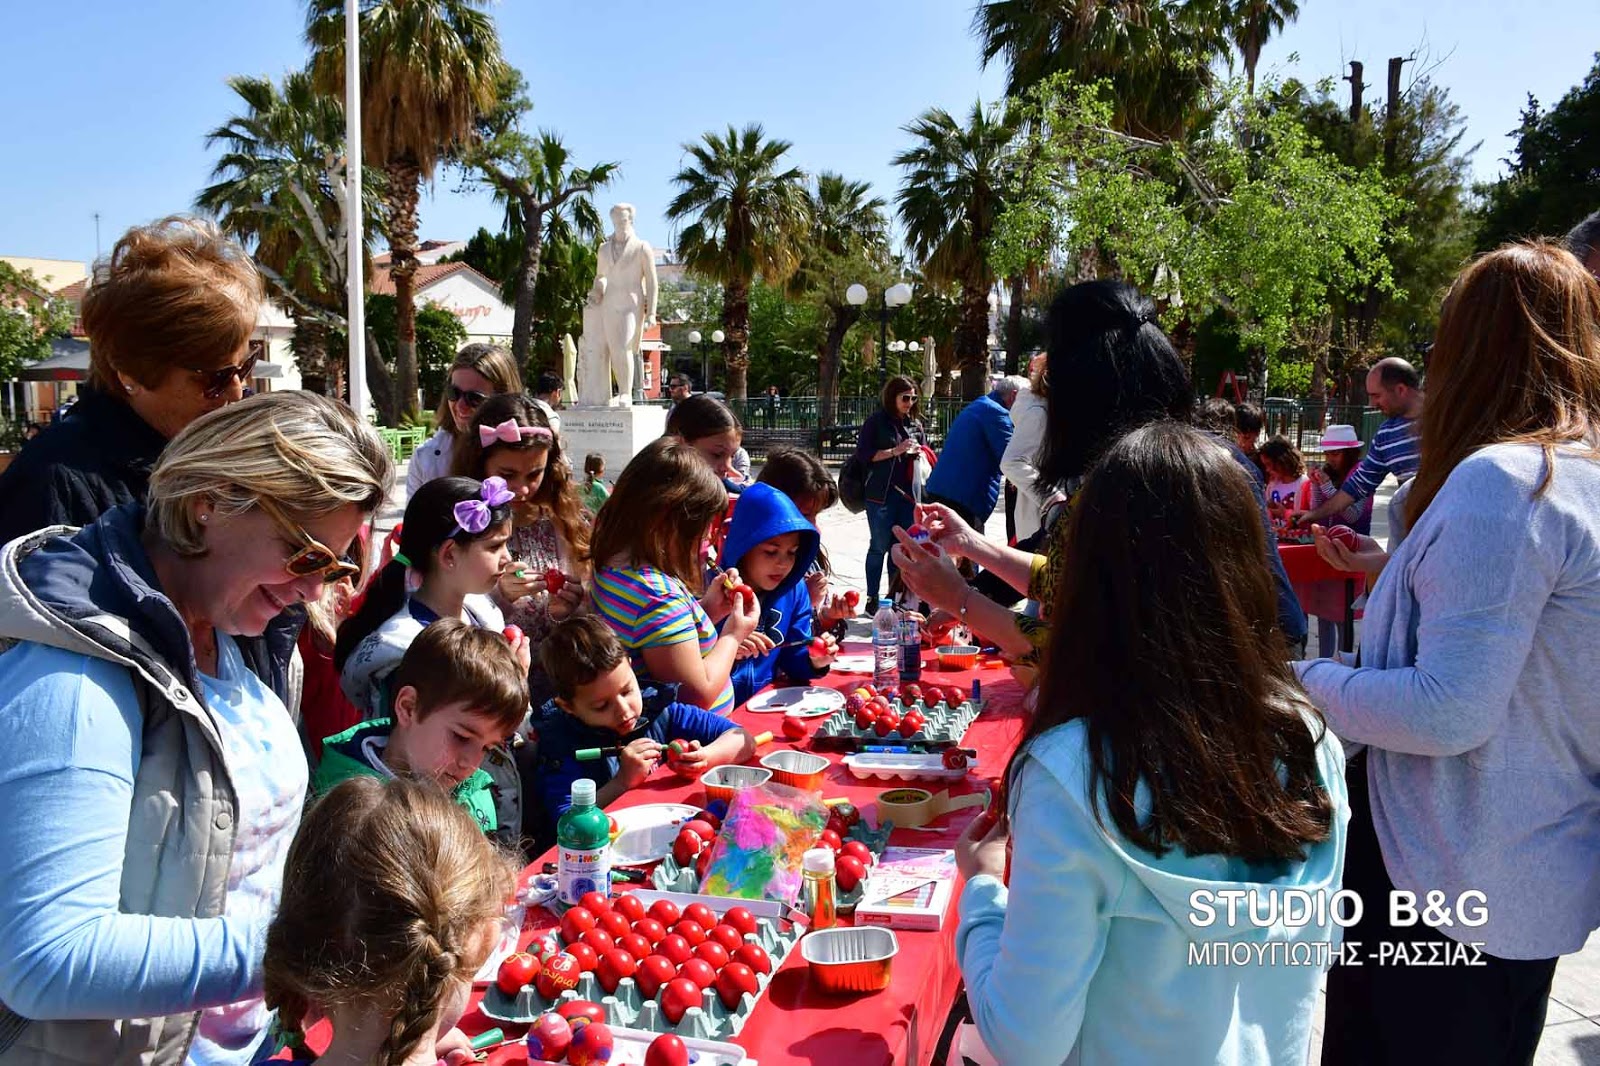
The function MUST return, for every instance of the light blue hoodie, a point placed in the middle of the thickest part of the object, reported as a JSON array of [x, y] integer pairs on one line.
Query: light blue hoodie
[[1090, 956]]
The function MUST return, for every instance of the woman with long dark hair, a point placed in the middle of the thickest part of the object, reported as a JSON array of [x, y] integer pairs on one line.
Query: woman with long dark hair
[[1110, 369], [1173, 759], [1475, 693], [888, 444]]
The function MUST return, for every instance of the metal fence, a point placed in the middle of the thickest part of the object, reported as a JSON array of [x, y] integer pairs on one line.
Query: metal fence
[[1303, 422], [794, 420]]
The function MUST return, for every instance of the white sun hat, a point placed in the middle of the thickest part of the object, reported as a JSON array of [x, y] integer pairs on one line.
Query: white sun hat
[[1337, 438]]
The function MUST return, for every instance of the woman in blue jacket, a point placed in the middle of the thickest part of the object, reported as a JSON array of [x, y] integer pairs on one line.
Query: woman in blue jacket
[[773, 545], [888, 445], [1173, 763]]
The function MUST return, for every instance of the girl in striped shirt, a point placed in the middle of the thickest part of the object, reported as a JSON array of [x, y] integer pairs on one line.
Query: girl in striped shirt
[[648, 549]]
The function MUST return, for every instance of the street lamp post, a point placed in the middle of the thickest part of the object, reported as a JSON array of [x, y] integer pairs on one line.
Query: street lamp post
[[717, 337], [894, 297]]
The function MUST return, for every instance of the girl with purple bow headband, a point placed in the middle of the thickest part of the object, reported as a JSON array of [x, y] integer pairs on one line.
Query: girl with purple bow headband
[[454, 539], [511, 438]]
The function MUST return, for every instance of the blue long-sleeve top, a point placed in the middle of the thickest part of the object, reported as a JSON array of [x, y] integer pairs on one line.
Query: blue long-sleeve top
[[1100, 951], [969, 464], [763, 514], [73, 745]]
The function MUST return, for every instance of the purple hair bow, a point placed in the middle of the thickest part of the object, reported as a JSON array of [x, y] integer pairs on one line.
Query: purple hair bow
[[472, 516]]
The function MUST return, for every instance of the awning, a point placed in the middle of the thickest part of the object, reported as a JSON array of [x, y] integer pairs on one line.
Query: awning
[[69, 361]]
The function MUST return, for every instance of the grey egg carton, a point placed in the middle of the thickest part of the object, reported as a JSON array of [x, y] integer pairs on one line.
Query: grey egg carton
[[944, 725], [627, 1006], [668, 876]]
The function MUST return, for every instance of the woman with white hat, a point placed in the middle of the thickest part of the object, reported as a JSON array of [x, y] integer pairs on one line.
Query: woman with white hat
[[1341, 450]]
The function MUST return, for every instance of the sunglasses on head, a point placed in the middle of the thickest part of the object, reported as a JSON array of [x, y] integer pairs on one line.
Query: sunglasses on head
[[214, 383], [472, 398], [314, 557]]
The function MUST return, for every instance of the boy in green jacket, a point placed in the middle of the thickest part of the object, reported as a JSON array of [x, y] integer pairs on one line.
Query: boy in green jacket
[[459, 691]]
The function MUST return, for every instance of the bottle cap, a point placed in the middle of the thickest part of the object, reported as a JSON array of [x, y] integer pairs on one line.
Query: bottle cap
[[583, 792], [817, 861]]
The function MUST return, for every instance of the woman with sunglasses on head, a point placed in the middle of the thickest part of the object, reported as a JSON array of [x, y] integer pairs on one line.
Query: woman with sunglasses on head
[[154, 775], [479, 372], [169, 315], [888, 444]]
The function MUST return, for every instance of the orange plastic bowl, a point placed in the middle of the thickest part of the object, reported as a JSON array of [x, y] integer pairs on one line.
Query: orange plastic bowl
[[800, 769], [957, 656], [722, 782], [850, 959]]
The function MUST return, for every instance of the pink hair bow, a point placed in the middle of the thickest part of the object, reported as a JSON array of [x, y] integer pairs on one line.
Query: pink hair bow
[[472, 516], [509, 432]]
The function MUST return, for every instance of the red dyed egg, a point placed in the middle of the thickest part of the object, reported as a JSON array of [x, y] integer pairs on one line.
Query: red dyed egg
[[668, 1049], [592, 1044], [577, 922], [702, 829], [712, 952], [848, 872], [857, 850], [635, 944], [686, 847], [831, 840], [588, 958], [595, 903], [665, 911], [727, 936], [629, 906], [678, 997], [598, 939], [675, 948], [558, 975], [615, 924], [733, 982], [754, 956], [549, 1038], [586, 1009], [741, 919], [691, 930], [699, 912], [653, 972], [614, 966], [518, 970], [699, 971]]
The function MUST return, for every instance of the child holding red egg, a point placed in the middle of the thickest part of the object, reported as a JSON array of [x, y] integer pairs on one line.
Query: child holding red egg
[[622, 731], [459, 691], [773, 545], [650, 566], [511, 439], [392, 900]]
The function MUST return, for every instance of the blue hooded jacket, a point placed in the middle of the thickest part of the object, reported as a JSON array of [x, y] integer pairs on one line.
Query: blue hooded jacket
[[763, 513]]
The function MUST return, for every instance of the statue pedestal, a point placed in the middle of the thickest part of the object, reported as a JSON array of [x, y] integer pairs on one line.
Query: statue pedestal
[[616, 433]]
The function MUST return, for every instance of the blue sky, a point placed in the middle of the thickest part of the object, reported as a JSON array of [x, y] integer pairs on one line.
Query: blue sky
[[104, 104]]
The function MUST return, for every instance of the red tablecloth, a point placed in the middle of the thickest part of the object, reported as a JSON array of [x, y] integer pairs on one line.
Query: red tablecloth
[[793, 1022]]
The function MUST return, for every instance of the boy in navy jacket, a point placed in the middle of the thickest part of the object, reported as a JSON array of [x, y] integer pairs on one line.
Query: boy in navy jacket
[[773, 545]]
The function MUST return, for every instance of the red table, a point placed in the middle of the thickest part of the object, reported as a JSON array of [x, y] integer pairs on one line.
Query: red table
[[1303, 566], [793, 1022]]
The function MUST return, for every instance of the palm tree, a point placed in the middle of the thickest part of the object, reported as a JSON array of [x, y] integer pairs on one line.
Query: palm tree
[[1156, 54], [746, 217], [847, 243], [279, 189], [1251, 23], [429, 68], [545, 199], [948, 202]]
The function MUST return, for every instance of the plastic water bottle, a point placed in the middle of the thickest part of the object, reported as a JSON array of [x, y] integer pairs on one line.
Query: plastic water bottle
[[885, 646], [583, 846], [910, 649]]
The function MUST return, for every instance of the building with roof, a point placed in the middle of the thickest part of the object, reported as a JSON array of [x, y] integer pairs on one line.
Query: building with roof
[[457, 288]]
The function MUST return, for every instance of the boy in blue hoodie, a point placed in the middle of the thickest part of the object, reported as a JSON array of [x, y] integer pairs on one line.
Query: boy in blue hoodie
[[773, 545]]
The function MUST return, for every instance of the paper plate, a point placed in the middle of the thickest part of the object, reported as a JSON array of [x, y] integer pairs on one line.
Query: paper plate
[[809, 702], [645, 833], [854, 663]]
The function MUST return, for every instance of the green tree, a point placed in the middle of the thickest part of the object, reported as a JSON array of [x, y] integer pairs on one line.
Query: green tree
[[1154, 56], [279, 189], [1554, 176], [1271, 235], [545, 197], [440, 335], [29, 319], [951, 195], [429, 69], [847, 243], [746, 217]]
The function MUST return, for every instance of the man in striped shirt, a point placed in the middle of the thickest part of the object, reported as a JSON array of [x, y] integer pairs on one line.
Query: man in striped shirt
[[1395, 388]]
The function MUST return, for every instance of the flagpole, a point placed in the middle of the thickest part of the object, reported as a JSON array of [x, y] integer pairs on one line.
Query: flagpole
[[355, 219]]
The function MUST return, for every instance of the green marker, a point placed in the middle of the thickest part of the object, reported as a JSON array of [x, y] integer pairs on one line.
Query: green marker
[[592, 754], [488, 1038]]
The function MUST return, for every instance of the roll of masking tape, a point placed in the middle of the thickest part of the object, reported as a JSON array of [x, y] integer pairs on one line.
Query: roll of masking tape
[[913, 807]]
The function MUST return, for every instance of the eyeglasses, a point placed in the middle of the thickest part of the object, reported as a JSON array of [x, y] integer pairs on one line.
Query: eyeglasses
[[214, 382], [907, 398], [472, 398], [315, 557]]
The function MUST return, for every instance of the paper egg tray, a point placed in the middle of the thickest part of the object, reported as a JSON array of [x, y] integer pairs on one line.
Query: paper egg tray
[[945, 727], [668, 876], [627, 1006]]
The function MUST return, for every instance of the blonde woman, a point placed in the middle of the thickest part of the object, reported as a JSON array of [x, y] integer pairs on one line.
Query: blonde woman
[[479, 372], [169, 315], [154, 777]]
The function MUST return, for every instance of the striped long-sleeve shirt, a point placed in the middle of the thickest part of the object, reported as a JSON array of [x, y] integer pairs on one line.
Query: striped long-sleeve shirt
[[648, 608], [1394, 450]]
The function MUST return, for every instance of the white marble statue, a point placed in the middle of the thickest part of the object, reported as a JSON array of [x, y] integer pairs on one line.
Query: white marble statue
[[569, 367], [626, 297]]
